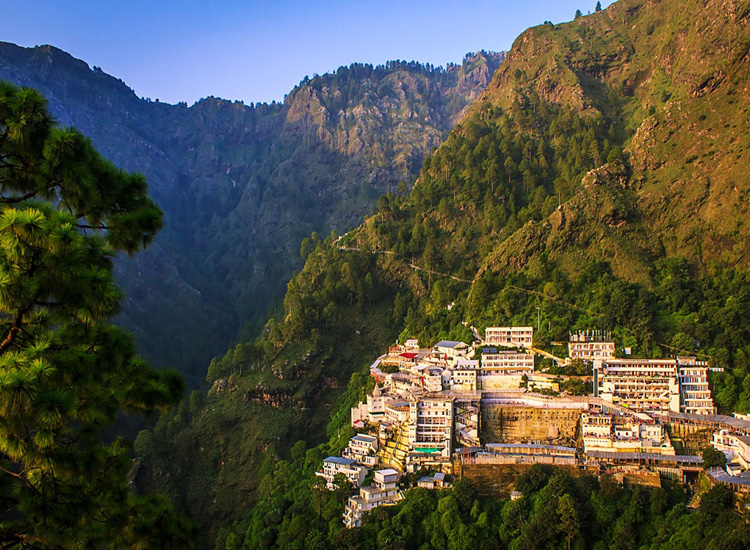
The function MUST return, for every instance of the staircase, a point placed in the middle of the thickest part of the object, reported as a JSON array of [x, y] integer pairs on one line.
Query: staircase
[[394, 452]]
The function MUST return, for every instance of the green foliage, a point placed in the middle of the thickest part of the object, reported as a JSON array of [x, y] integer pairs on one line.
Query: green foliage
[[556, 511], [713, 458], [563, 194], [268, 395], [242, 185], [717, 501], [66, 371]]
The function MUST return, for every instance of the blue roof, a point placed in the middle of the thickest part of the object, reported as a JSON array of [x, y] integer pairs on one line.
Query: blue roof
[[364, 438], [489, 350], [340, 460], [449, 344], [720, 475]]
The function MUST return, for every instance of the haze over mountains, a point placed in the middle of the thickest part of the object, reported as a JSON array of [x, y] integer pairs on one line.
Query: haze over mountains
[[599, 181], [598, 178], [241, 185]]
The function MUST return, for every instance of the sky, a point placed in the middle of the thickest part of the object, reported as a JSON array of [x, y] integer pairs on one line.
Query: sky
[[257, 51]]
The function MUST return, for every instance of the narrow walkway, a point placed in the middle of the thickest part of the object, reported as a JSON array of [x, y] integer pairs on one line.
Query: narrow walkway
[[410, 264], [548, 355]]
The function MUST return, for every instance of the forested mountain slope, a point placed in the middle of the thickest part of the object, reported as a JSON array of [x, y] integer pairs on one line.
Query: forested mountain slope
[[242, 185], [601, 177]]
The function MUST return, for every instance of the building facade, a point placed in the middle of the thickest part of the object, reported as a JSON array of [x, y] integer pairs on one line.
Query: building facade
[[431, 425], [655, 385], [695, 394], [382, 492], [516, 337], [590, 345], [614, 433], [735, 447], [362, 448], [334, 465], [648, 385]]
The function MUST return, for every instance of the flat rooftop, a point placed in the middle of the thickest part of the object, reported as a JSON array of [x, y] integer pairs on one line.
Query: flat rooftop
[[721, 475], [498, 447], [736, 423], [685, 459], [340, 460], [450, 344]]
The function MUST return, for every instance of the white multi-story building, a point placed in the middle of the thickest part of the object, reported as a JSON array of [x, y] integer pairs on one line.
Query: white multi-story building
[[382, 492], [504, 369], [373, 409], [431, 425], [450, 351], [464, 379], [648, 385], [735, 447], [334, 465], [655, 385], [695, 394], [516, 337], [590, 345], [397, 411], [505, 362], [362, 448]]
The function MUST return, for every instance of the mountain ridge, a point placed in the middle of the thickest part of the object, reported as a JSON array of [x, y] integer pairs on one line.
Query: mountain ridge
[[575, 178], [242, 185]]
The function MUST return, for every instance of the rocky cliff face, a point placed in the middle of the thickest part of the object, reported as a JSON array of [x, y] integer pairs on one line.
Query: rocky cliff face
[[242, 185], [677, 95]]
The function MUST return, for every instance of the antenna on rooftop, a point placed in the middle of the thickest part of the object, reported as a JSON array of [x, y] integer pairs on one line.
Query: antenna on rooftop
[[538, 308]]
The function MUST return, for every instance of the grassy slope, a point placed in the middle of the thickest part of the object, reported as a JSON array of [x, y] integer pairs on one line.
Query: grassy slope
[[677, 85]]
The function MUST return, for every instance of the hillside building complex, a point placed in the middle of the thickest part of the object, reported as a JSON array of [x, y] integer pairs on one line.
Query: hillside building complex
[[439, 408]]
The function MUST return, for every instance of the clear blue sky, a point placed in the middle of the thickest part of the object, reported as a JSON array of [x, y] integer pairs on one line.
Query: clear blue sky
[[182, 50]]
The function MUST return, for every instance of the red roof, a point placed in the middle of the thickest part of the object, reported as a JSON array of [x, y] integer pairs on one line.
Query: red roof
[[409, 355]]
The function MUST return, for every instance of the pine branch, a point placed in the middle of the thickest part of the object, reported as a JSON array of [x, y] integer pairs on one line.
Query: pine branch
[[14, 329], [14, 200]]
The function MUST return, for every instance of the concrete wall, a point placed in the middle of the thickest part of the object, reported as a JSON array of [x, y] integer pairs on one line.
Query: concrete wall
[[513, 424], [497, 480], [689, 439]]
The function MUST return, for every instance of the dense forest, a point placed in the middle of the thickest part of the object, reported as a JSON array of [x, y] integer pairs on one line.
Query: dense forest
[[555, 511], [242, 185]]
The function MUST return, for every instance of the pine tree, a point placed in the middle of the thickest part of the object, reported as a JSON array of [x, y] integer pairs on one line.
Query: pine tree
[[578, 14], [65, 371], [598, 6]]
